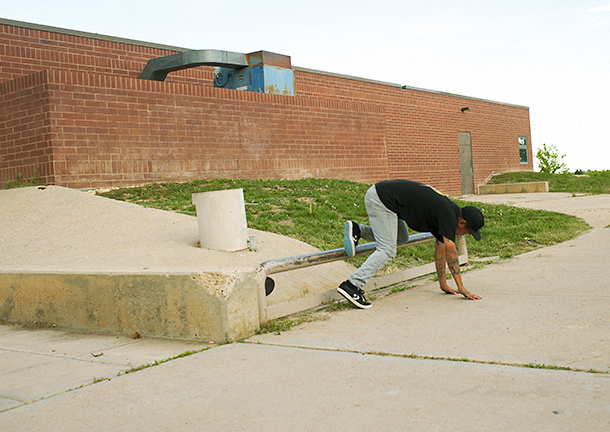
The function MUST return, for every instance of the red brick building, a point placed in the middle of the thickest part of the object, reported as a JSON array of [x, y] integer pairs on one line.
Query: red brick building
[[73, 112]]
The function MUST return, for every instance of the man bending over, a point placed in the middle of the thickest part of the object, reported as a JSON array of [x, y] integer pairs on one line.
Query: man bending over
[[391, 206]]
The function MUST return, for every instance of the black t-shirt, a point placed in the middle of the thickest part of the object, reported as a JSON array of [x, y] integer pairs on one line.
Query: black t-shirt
[[422, 207]]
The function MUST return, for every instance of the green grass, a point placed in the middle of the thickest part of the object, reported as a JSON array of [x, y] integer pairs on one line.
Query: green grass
[[278, 325], [311, 210], [511, 231], [21, 182], [158, 362], [598, 182], [314, 211]]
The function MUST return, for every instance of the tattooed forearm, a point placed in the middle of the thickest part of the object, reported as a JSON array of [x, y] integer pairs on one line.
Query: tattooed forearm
[[454, 266], [440, 266], [439, 260]]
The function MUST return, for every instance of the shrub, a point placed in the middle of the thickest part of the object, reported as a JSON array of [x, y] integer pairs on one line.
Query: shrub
[[550, 161]]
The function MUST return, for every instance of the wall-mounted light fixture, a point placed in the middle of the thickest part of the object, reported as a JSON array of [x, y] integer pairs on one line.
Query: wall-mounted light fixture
[[465, 109]]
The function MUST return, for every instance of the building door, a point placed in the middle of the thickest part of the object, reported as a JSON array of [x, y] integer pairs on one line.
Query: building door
[[465, 149]]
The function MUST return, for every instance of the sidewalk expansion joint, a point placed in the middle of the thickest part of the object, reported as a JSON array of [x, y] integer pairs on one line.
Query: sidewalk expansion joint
[[101, 379], [439, 358]]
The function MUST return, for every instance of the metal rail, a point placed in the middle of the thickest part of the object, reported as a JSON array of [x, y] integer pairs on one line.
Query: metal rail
[[315, 258], [267, 284]]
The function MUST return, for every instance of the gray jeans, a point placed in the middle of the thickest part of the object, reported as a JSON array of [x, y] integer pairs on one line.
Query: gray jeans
[[386, 229]]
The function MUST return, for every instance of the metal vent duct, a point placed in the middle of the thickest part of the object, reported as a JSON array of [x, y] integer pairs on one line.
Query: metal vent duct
[[158, 68]]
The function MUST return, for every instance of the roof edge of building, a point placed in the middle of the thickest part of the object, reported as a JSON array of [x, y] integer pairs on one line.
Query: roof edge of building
[[98, 36], [405, 87], [84, 34]]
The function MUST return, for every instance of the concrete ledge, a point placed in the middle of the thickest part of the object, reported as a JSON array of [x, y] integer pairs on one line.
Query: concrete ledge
[[215, 306], [510, 188]]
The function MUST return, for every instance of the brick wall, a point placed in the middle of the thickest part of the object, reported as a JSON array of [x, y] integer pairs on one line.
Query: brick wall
[[422, 129], [25, 129], [74, 107], [110, 131], [27, 50]]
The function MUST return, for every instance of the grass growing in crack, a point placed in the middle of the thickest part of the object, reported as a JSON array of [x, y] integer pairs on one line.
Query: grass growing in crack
[[158, 362], [465, 360], [460, 360], [337, 305], [97, 380], [279, 325], [550, 367], [522, 365], [398, 288]]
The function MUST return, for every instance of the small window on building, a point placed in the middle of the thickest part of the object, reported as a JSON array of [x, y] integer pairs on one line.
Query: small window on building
[[523, 150]]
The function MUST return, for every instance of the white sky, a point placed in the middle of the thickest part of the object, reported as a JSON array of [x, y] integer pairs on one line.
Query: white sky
[[550, 55]]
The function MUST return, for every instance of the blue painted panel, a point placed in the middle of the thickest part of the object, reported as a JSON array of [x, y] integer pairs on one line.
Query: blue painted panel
[[279, 80], [261, 79]]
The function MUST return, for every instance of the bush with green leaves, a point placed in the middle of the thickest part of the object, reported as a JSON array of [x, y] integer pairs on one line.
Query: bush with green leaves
[[549, 160]]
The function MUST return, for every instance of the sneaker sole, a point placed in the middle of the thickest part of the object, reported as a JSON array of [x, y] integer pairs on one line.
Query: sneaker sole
[[348, 244], [354, 302]]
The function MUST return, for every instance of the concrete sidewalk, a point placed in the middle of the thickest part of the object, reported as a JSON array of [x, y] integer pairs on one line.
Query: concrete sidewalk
[[594, 209], [388, 368]]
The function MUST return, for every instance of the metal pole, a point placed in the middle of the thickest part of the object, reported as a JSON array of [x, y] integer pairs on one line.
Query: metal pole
[[315, 258], [266, 284]]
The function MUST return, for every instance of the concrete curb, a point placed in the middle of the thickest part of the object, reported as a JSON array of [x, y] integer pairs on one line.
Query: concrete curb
[[510, 188], [215, 306]]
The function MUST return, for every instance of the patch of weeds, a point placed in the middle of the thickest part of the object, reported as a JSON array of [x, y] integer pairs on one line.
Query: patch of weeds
[[158, 362], [462, 359], [550, 367], [337, 305], [21, 182], [279, 325], [467, 360], [398, 288], [97, 380], [144, 366]]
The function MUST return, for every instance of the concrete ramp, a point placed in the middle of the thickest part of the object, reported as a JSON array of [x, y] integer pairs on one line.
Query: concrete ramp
[[83, 261]]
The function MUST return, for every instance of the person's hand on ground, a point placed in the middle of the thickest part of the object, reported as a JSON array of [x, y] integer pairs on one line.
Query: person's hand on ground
[[467, 294]]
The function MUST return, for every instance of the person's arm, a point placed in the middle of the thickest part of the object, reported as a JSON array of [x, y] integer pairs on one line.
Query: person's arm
[[440, 262], [446, 254]]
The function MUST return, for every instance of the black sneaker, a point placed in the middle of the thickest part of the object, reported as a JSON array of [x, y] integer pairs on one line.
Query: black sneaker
[[354, 295], [351, 235]]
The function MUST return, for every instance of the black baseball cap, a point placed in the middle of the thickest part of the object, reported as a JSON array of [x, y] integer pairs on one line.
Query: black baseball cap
[[474, 220]]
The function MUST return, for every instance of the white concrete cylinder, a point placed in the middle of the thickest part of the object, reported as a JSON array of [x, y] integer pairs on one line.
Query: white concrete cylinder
[[221, 216]]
